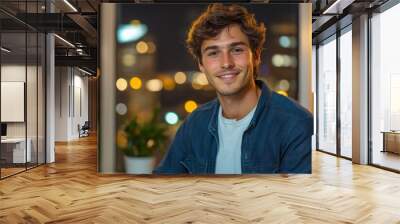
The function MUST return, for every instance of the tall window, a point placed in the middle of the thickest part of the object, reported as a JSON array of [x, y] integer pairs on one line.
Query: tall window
[[385, 84], [22, 78], [345, 94], [327, 96]]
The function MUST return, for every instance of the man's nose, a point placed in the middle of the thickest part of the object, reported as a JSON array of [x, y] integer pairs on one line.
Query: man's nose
[[227, 60]]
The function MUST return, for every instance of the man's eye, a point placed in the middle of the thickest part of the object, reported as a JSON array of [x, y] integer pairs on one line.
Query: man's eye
[[237, 50], [212, 53]]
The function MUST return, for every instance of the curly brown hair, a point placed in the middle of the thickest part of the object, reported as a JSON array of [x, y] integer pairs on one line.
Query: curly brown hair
[[215, 19]]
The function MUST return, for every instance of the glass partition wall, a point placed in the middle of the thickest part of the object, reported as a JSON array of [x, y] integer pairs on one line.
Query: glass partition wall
[[385, 89], [22, 87], [334, 94], [345, 62], [327, 95]]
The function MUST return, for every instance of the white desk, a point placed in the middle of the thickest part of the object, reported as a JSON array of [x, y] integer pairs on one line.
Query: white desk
[[18, 145]]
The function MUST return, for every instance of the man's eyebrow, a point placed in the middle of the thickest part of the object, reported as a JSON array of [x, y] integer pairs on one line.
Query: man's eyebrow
[[234, 44], [213, 47]]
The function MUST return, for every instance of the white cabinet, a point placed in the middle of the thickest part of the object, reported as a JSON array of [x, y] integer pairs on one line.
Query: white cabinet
[[18, 149]]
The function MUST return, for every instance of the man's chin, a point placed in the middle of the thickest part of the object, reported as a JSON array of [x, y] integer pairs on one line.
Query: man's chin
[[228, 92], [232, 90]]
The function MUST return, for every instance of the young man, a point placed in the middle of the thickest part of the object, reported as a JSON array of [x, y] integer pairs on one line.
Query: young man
[[248, 128]]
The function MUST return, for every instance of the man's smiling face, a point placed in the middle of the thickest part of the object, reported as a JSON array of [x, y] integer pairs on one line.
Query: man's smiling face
[[227, 61]]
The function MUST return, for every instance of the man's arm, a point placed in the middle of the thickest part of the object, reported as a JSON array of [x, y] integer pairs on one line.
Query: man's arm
[[171, 163], [296, 153]]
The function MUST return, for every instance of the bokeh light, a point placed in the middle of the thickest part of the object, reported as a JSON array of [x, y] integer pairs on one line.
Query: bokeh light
[[284, 85], [171, 118], [190, 106], [135, 83], [128, 60], [131, 32], [277, 60], [152, 47], [284, 41], [142, 47], [283, 93], [150, 143], [135, 22], [168, 83], [180, 78], [154, 85], [284, 60], [200, 79], [121, 109], [196, 86], [121, 84], [122, 139]]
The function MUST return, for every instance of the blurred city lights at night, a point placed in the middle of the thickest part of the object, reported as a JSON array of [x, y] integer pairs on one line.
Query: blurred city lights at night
[[171, 118], [168, 83], [131, 32], [283, 93], [152, 47], [190, 106], [135, 83], [121, 84], [121, 109], [284, 41], [180, 77], [154, 85], [142, 47]]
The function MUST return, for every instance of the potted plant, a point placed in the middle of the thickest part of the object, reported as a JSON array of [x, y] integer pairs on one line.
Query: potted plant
[[140, 141]]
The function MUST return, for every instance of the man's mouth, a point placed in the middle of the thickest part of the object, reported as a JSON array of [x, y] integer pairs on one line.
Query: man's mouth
[[228, 76]]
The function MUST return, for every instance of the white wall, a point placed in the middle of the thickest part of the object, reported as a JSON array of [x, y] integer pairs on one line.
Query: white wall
[[50, 93], [33, 126], [71, 94], [13, 73], [80, 111], [61, 103]]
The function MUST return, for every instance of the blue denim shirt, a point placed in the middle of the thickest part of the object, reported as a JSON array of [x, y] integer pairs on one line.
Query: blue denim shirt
[[278, 139]]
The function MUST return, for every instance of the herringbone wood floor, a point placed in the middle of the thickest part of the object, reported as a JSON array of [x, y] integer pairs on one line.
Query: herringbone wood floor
[[70, 191]]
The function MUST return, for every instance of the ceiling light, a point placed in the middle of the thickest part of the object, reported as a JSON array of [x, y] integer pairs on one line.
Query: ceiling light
[[84, 71], [70, 5], [338, 6], [5, 50], [65, 41]]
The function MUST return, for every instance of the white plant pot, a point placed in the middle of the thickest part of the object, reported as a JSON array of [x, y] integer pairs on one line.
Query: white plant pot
[[139, 165]]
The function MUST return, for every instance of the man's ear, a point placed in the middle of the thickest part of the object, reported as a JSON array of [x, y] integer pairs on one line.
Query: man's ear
[[257, 58], [201, 67]]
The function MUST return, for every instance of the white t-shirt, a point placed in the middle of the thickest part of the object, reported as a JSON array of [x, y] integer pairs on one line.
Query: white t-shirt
[[230, 134]]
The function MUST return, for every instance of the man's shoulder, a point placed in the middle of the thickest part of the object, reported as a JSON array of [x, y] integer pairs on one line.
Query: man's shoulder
[[289, 108], [203, 112], [207, 107]]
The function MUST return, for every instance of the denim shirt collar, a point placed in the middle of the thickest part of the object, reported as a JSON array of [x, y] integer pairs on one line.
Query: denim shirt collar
[[262, 105]]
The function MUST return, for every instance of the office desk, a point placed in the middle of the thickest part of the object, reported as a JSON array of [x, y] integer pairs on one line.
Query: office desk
[[391, 141], [16, 147]]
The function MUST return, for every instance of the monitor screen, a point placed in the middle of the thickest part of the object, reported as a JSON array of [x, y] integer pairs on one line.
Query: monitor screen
[[3, 129], [176, 62]]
